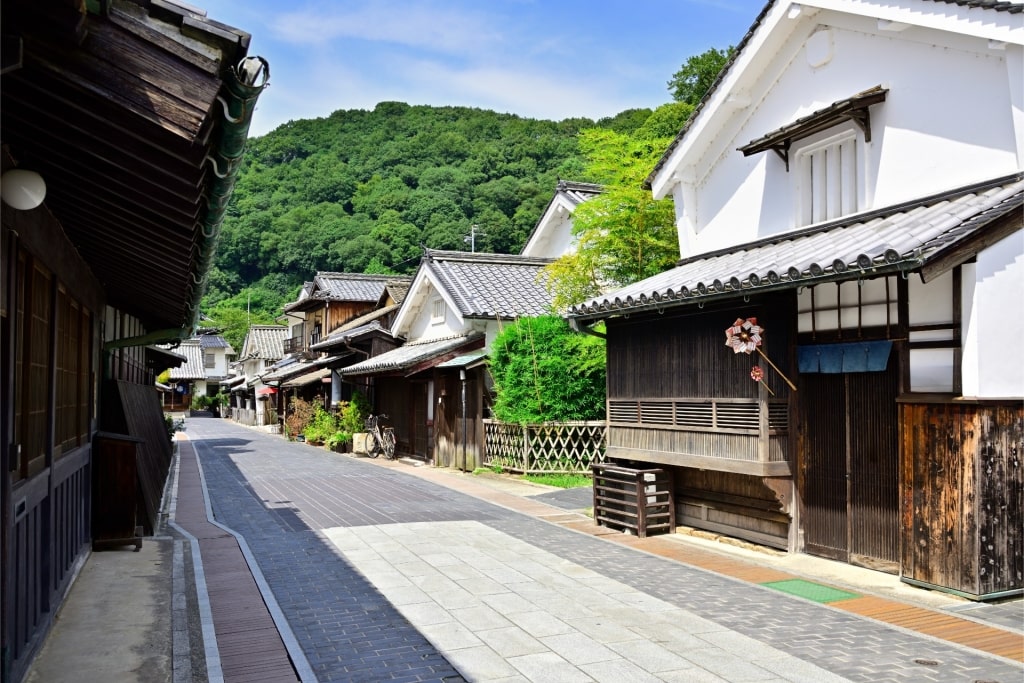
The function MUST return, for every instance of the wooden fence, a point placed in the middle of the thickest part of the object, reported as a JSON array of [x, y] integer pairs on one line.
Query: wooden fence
[[562, 447]]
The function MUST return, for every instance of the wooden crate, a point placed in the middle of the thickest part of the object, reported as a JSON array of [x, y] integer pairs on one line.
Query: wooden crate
[[638, 501]]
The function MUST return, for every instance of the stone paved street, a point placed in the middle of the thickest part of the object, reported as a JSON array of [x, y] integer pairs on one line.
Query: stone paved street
[[383, 575]]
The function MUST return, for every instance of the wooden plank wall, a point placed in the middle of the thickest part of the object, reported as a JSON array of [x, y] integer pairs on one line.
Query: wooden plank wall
[[448, 450], [682, 356], [961, 496], [134, 409], [735, 504]]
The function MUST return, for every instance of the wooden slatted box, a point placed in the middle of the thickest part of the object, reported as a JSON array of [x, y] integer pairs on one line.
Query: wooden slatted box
[[634, 500]]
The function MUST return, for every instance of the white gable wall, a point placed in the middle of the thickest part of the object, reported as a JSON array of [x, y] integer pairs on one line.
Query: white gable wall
[[417, 321], [553, 237], [992, 321], [952, 116]]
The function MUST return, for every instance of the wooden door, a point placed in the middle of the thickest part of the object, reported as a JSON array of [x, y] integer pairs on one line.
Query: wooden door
[[421, 434], [849, 474]]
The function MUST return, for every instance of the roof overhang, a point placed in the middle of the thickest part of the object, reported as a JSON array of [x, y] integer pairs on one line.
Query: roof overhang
[[413, 358], [928, 236], [307, 378], [136, 116]]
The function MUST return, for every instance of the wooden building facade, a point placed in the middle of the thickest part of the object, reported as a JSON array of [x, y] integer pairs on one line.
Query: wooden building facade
[[112, 115], [876, 239]]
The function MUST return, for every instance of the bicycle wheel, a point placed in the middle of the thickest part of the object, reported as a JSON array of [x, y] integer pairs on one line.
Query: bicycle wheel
[[373, 448], [389, 444]]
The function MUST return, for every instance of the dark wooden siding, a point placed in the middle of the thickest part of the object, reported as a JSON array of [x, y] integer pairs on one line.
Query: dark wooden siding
[[962, 497], [733, 504], [685, 355]]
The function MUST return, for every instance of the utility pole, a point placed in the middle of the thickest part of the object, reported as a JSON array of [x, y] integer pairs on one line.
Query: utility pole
[[470, 239]]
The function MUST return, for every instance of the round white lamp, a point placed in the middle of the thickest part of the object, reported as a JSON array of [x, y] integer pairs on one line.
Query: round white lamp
[[22, 189]]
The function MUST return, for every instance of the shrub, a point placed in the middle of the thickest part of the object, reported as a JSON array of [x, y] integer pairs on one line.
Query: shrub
[[353, 414], [321, 426], [172, 426], [200, 402], [300, 414], [544, 372]]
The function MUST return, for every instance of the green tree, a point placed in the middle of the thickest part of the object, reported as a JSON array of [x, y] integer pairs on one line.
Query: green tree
[[694, 79], [543, 372], [623, 235]]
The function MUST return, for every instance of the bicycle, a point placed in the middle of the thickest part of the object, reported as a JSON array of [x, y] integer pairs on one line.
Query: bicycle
[[382, 439]]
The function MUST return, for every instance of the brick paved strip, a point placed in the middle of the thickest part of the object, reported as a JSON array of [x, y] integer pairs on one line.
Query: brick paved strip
[[248, 642], [969, 633]]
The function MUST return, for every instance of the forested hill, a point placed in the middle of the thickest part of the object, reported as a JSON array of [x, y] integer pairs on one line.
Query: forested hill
[[361, 191]]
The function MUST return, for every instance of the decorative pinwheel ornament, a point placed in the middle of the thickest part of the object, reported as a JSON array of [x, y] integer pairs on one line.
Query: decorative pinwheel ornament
[[757, 374], [745, 336]]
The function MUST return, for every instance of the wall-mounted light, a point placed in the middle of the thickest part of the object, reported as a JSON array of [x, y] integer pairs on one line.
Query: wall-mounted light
[[22, 189]]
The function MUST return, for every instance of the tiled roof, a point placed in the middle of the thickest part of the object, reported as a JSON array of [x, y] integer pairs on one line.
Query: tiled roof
[[413, 354], [307, 378], [213, 341], [347, 287], [902, 238], [491, 285], [264, 341], [193, 367], [397, 289], [283, 371], [1011, 7], [346, 334]]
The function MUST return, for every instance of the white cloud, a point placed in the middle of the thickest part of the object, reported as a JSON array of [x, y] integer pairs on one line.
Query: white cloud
[[422, 25]]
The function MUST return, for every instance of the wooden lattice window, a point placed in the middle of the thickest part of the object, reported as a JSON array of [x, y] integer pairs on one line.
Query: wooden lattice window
[[73, 373], [38, 307]]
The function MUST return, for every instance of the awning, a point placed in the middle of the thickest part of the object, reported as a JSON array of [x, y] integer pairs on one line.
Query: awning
[[308, 378], [284, 371], [232, 382], [266, 391], [466, 360], [415, 356], [928, 235]]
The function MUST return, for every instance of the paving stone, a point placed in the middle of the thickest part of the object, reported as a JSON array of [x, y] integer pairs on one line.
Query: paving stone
[[281, 497]]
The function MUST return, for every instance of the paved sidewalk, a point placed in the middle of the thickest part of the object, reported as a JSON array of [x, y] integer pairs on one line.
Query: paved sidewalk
[[389, 572]]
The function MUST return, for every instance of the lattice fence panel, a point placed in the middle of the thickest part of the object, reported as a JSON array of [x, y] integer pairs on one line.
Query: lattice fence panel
[[555, 447]]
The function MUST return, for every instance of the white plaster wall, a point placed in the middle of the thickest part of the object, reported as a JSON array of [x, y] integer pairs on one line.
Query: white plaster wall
[[423, 327], [948, 121], [554, 237], [993, 326]]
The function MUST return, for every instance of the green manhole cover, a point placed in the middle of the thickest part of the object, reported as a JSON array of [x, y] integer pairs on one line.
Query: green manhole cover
[[810, 590]]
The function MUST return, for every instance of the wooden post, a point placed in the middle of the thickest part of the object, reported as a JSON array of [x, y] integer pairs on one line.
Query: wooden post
[[526, 449], [641, 505]]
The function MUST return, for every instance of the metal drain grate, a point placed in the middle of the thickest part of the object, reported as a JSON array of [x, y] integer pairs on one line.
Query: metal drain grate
[[810, 590]]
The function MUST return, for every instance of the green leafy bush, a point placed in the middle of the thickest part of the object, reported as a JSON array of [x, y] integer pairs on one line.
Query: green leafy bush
[[321, 427], [545, 372], [200, 402], [353, 414], [172, 426]]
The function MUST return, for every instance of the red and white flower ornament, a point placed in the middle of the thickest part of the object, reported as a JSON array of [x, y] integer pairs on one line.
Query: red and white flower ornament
[[746, 336]]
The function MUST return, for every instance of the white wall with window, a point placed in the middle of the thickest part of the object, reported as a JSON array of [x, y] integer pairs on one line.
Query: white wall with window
[[946, 122]]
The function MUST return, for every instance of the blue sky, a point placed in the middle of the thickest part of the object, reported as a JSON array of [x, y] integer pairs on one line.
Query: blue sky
[[550, 59]]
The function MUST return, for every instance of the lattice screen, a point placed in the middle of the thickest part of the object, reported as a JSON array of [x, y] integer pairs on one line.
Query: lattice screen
[[542, 448]]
